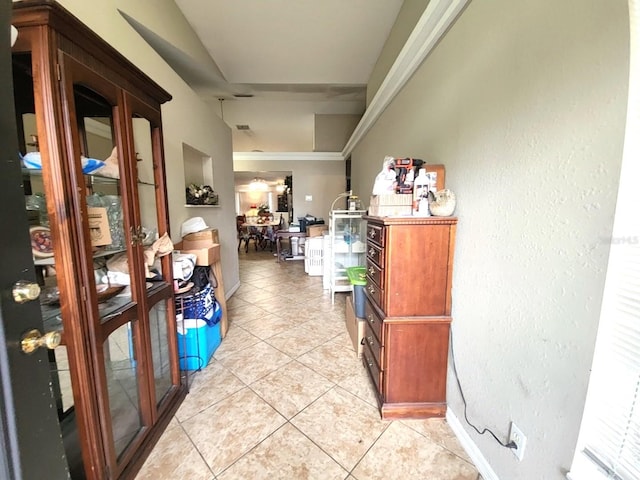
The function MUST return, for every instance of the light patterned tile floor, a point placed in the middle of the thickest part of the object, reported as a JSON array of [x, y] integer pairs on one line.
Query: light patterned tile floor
[[285, 397]]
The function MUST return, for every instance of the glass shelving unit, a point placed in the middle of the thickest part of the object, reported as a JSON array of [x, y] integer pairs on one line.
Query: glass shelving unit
[[347, 231]]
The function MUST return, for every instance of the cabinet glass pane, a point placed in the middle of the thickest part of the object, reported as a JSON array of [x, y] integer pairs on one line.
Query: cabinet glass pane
[[35, 198], [160, 349], [122, 385], [105, 216], [42, 247], [147, 199], [61, 379], [348, 239]]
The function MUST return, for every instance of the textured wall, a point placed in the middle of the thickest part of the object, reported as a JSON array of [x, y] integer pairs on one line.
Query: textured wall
[[524, 102]]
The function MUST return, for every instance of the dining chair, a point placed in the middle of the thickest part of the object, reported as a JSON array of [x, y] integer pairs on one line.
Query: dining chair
[[243, 232], [246, 233], [270, 234]]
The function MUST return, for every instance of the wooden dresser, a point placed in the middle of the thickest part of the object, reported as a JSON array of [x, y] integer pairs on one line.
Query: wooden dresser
[[408, 312]]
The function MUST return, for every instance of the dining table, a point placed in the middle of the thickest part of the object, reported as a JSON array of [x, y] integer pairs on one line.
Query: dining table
[[273, 223], [262, 229]]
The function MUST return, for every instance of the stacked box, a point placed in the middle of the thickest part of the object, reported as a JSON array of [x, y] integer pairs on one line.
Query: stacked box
[[316, 230], [210, 235], [355, 327], [389, 205], [206, 253]]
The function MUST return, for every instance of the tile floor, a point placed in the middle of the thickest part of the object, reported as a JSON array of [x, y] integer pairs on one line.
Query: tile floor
[[285, 397]]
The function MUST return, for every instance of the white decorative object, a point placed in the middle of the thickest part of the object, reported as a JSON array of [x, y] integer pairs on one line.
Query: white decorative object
[[444, 203]]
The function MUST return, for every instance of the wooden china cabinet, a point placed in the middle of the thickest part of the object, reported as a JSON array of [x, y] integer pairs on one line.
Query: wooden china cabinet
[[408, 313], [115, 374]]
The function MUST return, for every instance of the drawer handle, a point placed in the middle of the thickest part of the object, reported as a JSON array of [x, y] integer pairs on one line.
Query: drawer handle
[[372, 271], [371, 290], [370, 338], [370, 318], [372, 233], [369, 362], [371, 252]]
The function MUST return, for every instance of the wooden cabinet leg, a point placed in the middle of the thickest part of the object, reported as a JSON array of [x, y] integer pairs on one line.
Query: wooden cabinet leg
[[220, 296]]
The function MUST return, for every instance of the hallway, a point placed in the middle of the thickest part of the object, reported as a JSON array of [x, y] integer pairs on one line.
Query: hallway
[[285, 397]]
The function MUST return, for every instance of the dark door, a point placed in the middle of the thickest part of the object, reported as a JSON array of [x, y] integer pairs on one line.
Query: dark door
[[30, 437]]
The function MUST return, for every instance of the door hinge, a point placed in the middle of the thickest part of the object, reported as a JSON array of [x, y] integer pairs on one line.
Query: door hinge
[[84, 294], [59, 71]]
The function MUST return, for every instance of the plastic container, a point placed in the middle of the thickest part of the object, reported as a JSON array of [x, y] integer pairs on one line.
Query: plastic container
[[358, 279], [313, 256], [421, 186], [196, 342]]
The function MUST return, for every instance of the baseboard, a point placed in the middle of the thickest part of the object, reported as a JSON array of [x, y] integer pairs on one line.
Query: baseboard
[[470, 447], [231, 291]]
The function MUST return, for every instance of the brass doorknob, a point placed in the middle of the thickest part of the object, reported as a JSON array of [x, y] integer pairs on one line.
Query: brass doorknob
[[33, 339], [24, 291]]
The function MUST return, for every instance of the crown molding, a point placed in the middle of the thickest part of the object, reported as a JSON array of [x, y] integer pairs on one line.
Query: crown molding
[[432, 26], [289, 156]]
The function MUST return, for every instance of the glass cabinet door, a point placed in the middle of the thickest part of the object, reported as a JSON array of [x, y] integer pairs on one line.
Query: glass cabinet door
[[348, 241], [109, 260], [149, 176]]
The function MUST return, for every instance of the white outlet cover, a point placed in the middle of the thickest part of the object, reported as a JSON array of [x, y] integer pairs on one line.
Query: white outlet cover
[[308, 198], [516, 435]]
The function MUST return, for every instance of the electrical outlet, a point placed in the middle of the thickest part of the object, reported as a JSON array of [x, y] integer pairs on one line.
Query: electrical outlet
[[516, 436]]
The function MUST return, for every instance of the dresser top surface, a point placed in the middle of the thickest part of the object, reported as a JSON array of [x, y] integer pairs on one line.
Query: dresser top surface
[[407, 220]]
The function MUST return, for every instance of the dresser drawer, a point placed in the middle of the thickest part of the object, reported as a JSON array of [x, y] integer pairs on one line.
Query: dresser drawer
[[374, 345], [374, 273], [374, 292], [375, 234], [372, 367], [374, 322], [375, 254]]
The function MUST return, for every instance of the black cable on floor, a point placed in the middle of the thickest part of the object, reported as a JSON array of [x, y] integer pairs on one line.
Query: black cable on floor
[[464, 401]]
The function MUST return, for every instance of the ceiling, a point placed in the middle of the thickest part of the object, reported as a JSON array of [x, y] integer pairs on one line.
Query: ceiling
[[272, 178], [277, 63]]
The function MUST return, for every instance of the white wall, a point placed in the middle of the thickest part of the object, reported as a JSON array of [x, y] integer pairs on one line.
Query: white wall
[[524, 102], [186, 118], [332, 131], [405, 22]]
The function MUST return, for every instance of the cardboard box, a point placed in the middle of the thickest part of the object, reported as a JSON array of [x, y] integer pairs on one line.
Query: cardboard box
[[210, 234], [316, 230], [391, 205], [99, 226], [206, 254], [355, 326], [439, 174]]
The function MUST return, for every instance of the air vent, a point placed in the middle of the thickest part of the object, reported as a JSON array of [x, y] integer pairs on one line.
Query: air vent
[[242, 127], [243, 95]]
